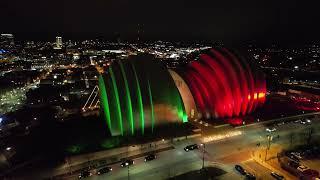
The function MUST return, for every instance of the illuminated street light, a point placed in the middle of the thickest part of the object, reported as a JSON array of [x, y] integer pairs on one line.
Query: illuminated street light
[[8, 148], [203, 151], [269, 138]]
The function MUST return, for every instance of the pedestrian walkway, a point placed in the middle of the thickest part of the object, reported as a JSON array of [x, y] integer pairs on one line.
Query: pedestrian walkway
[[268, 159]]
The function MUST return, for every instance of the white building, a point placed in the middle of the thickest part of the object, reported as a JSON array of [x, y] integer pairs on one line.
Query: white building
[[58, 42]]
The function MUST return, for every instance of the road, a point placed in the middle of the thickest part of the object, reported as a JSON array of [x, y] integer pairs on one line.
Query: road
[[167, 164], [258, 170], [224, 153]]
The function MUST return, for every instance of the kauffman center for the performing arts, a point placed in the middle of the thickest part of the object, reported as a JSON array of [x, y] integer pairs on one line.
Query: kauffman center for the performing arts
[[140, 93]]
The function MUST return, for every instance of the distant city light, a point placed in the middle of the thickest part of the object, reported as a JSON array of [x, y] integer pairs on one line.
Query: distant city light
[[8, 148], [296, 67]]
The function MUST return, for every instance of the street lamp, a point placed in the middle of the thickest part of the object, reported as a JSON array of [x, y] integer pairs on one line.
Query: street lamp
[[128, 173], [269, 137], [203, 151]]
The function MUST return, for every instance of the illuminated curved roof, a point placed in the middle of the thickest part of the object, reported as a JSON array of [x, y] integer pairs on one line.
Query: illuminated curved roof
[[224, 84], [187, 98], [137, 95]]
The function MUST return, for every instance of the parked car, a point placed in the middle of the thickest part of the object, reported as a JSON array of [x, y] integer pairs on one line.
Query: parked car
[[271, 129], [281, 123], [250, 176], [126, 163], [240, 169], [104, 170], [297, 155], [305, 121], [150, 157], [294, 164], [276, 176], [191, 147], [84, 174], [292, 157], [302, 168]]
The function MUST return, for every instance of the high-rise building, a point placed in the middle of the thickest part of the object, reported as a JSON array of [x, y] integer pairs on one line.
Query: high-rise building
[[6, 40], [58, 42]]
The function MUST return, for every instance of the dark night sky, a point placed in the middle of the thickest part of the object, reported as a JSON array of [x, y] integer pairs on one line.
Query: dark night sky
[[225, 20]]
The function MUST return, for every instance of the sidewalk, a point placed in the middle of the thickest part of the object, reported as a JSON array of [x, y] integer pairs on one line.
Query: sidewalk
[[271, 162]]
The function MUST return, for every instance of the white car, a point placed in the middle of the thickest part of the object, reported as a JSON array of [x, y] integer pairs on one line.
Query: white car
[[271, 129], [305, 121], [297, 155], [308, 121], [281, 123], [302, 168]]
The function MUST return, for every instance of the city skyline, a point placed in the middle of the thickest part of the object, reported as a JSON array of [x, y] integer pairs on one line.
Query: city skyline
[[161, 90], [227, 21]]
